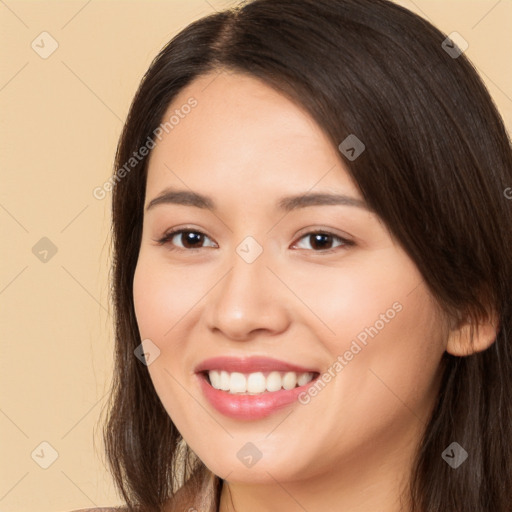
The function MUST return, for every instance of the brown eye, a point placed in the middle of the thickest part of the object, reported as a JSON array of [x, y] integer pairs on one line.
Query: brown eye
[[321, 241], [189, 239]]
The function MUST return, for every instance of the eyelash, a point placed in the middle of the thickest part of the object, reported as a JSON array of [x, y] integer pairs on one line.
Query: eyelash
[[165, 240]]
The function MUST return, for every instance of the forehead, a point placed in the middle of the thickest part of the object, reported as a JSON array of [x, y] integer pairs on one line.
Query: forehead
[[242, 135]]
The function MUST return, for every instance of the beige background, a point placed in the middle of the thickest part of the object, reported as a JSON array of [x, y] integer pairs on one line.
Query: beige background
[[60, 120]]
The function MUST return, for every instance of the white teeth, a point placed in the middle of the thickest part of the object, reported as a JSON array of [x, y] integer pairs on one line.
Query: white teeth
[[214, 378], [224, 381], [289, 380], [237, 383], [256, 383], [303, 378], [274, 381]]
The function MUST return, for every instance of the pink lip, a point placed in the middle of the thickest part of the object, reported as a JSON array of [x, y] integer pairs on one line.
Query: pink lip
[[249, 407], [250, 365]]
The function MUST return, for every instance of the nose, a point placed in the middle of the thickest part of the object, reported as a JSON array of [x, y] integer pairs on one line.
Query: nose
[[248, 301]]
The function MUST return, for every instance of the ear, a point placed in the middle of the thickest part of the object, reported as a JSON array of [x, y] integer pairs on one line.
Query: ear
[[462, 343]]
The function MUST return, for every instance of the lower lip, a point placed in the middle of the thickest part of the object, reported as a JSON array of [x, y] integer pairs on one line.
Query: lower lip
[[250, 407]]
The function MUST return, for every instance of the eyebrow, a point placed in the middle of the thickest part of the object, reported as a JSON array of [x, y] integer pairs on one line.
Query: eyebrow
[[288, 203]]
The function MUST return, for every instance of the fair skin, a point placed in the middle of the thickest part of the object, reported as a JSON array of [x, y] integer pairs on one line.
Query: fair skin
[[351, 447]]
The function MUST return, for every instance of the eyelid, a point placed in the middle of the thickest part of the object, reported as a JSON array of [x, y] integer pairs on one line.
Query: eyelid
[[346, 242], [169, 234]]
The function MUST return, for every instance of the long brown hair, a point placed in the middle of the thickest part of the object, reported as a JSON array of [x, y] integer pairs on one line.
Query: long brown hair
[[436, 169]]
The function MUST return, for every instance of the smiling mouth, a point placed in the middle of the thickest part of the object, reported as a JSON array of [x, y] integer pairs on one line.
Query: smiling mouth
[[257, 383]]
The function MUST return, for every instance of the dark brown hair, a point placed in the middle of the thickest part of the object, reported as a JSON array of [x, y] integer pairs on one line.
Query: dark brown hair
[[435, 169]]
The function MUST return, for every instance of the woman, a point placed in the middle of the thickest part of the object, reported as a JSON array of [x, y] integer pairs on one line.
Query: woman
[[312, 270]]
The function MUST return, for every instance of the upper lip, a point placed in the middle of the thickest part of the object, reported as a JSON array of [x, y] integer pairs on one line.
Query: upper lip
[[250, 365]]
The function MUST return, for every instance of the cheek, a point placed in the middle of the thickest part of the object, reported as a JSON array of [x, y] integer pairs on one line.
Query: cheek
[[394, 378], [162, 301], [384, 336], [162, 296], [350, 299]]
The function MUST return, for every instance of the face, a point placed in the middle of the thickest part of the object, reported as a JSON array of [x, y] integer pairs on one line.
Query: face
[[281, 292]]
